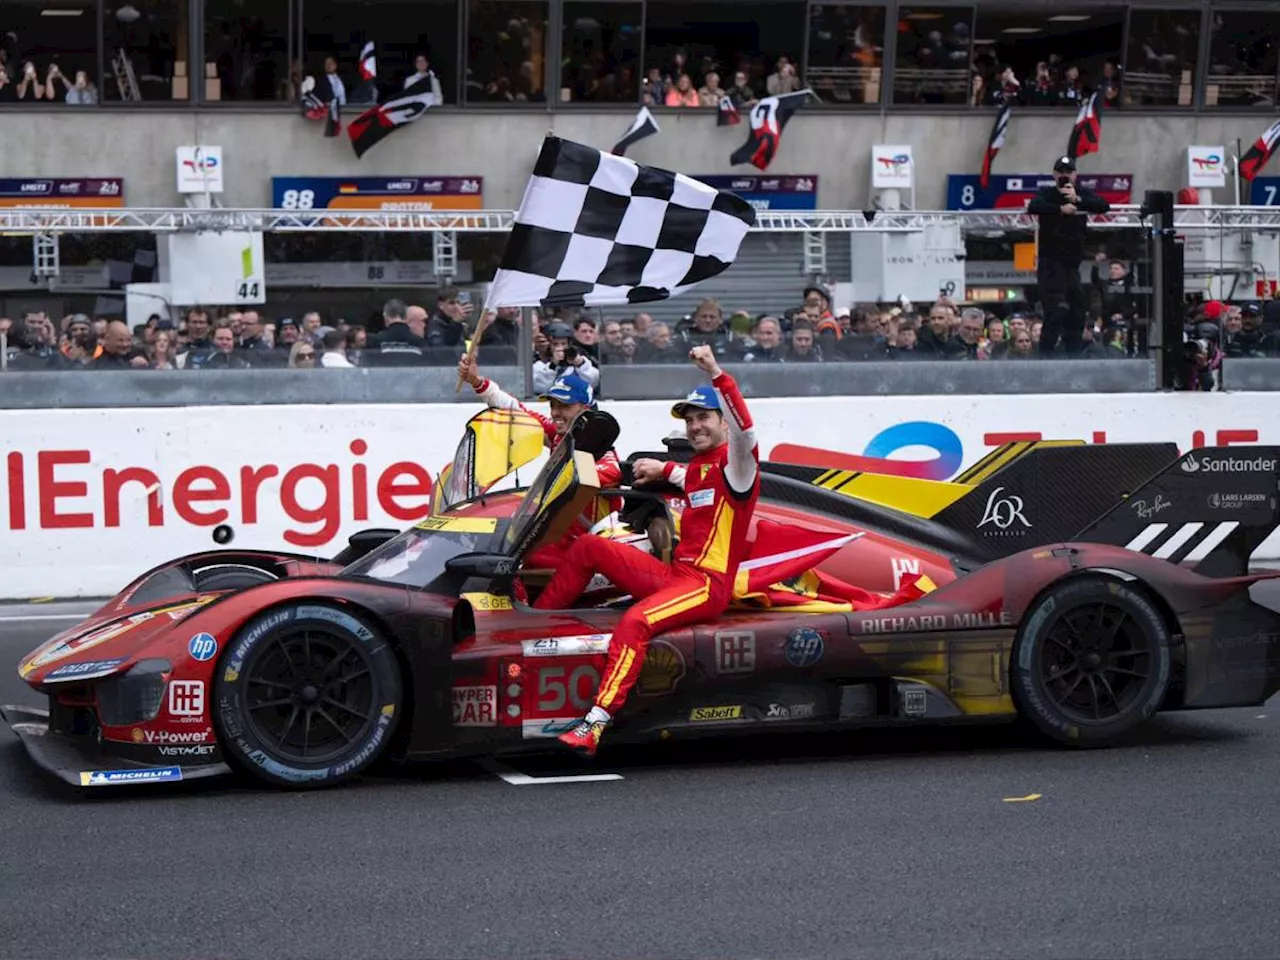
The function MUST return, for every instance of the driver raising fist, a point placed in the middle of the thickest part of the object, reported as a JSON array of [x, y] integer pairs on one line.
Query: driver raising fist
[[721, 486]]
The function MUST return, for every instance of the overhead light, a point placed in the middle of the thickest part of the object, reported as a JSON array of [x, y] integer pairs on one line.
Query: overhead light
[[60, 12], [1070, 18], [128, 14], [1021, 30]]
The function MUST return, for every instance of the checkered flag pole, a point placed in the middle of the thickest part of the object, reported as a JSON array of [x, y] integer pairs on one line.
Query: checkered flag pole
[[595, 230]]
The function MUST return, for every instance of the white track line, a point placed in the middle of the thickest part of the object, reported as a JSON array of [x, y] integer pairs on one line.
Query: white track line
[[524, 780]]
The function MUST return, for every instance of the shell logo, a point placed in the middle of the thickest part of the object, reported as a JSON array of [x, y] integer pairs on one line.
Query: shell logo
[[663, 669]]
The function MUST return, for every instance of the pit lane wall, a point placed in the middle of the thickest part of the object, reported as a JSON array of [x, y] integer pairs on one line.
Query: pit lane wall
[[91, 498]]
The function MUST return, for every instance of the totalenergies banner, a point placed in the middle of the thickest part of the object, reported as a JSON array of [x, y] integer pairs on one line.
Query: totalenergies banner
[[91, 498]]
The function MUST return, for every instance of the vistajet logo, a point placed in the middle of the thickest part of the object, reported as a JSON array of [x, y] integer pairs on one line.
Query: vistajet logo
[[1227, 464]]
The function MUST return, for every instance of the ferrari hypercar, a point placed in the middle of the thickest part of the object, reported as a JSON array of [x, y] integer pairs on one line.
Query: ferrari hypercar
[[1080, 588]]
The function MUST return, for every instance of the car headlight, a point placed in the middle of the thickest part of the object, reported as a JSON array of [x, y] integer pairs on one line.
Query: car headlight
[[135, 696]]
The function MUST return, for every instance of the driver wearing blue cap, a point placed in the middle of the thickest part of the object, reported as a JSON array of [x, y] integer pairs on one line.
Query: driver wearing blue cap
[[568, 397]]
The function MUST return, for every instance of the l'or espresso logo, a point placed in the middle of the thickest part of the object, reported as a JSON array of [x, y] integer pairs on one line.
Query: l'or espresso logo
[[1003, 516]]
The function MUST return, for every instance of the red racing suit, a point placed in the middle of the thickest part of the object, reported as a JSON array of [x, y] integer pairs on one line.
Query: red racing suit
[[607, 468], [721, 488]]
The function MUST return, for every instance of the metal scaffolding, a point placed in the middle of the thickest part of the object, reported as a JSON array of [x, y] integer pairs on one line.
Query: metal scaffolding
[[39, 220]]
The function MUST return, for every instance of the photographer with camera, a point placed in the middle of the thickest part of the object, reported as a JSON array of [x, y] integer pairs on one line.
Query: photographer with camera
[[1061, 209], [561, 354]]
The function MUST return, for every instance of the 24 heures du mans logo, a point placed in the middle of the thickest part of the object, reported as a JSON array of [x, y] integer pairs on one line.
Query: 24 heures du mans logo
[[1003, 516], [1227, 464]]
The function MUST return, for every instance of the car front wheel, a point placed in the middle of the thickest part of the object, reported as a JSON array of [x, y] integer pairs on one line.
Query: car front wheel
[[307, 695]]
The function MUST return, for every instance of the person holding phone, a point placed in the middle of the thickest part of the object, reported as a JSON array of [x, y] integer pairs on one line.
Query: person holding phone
[[1061, 209]]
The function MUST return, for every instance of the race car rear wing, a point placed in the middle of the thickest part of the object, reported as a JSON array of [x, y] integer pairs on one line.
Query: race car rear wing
[[1212, 507]]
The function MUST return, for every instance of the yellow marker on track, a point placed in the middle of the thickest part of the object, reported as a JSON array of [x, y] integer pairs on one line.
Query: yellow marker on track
[[1027, 799]]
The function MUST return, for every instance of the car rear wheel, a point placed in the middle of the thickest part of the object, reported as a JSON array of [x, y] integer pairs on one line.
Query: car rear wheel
[[1092, 661], [307, 695]]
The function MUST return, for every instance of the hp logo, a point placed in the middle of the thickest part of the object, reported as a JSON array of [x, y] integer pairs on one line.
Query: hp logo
[[202, 647]]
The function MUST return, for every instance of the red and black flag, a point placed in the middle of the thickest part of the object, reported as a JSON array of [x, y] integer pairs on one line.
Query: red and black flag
[[377, 123], [768, 118], [1086, 135], [367, 91], [1256, 157], [728, 116], [642, 126], [998, 132], [319, 103]]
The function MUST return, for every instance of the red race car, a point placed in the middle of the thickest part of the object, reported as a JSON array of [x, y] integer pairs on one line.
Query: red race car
[[1082, 587]]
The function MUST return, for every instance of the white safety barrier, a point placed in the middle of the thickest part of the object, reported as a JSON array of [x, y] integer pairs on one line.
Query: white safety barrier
[[91, 498]]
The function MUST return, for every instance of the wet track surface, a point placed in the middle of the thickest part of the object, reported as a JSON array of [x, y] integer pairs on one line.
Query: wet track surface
[[884, 844]]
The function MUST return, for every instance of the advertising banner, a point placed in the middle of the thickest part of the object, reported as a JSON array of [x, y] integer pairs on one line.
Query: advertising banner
[[404, 194], [90, 192], [799, 192], [91, 498], [1012, 191], [891, 167], [1206, 167]]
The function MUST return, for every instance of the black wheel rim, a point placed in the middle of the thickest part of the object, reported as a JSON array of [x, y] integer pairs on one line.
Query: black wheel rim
[[310, 695], [1095, 661]]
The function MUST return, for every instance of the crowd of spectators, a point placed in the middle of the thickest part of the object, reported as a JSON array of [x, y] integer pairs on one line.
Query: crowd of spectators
[[812, 332], [1056, 84], [702, 86]]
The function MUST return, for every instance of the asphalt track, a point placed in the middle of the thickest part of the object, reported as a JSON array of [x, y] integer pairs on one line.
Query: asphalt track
[[900, 844]]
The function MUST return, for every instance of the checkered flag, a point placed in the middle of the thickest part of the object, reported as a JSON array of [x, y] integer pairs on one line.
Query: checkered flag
[[595, 229]]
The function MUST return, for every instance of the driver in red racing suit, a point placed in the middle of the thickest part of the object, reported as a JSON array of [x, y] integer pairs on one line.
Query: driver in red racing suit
[[721, 486], [569, 396]]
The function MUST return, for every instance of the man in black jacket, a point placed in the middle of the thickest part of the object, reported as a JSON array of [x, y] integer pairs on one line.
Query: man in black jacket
[[1061, 209], [399, 344]]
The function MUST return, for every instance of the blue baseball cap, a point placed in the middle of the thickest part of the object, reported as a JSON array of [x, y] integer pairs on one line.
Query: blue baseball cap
[[569, 388], [702, 398]]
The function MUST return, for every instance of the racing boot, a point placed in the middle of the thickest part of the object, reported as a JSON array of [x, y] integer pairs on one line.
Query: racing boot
[[584, 737]]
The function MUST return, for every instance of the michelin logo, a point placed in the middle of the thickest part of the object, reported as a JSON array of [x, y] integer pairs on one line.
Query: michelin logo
[[110, 778]]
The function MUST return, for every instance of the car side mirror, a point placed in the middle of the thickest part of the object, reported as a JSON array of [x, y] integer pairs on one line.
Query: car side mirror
[[486, 566]]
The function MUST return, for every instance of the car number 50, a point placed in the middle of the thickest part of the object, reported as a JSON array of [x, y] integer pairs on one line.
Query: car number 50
[[555, 689]]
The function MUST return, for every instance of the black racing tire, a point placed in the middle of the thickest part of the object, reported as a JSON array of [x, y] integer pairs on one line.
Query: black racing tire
[[230, 576], [1091, 661], [307, 695]]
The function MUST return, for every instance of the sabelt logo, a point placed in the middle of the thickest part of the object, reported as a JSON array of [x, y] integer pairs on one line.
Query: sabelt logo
[[69, 490], [1227, 464]]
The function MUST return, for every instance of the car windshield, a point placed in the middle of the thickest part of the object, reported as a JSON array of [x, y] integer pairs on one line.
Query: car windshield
[[417, 557], [494, 445]]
